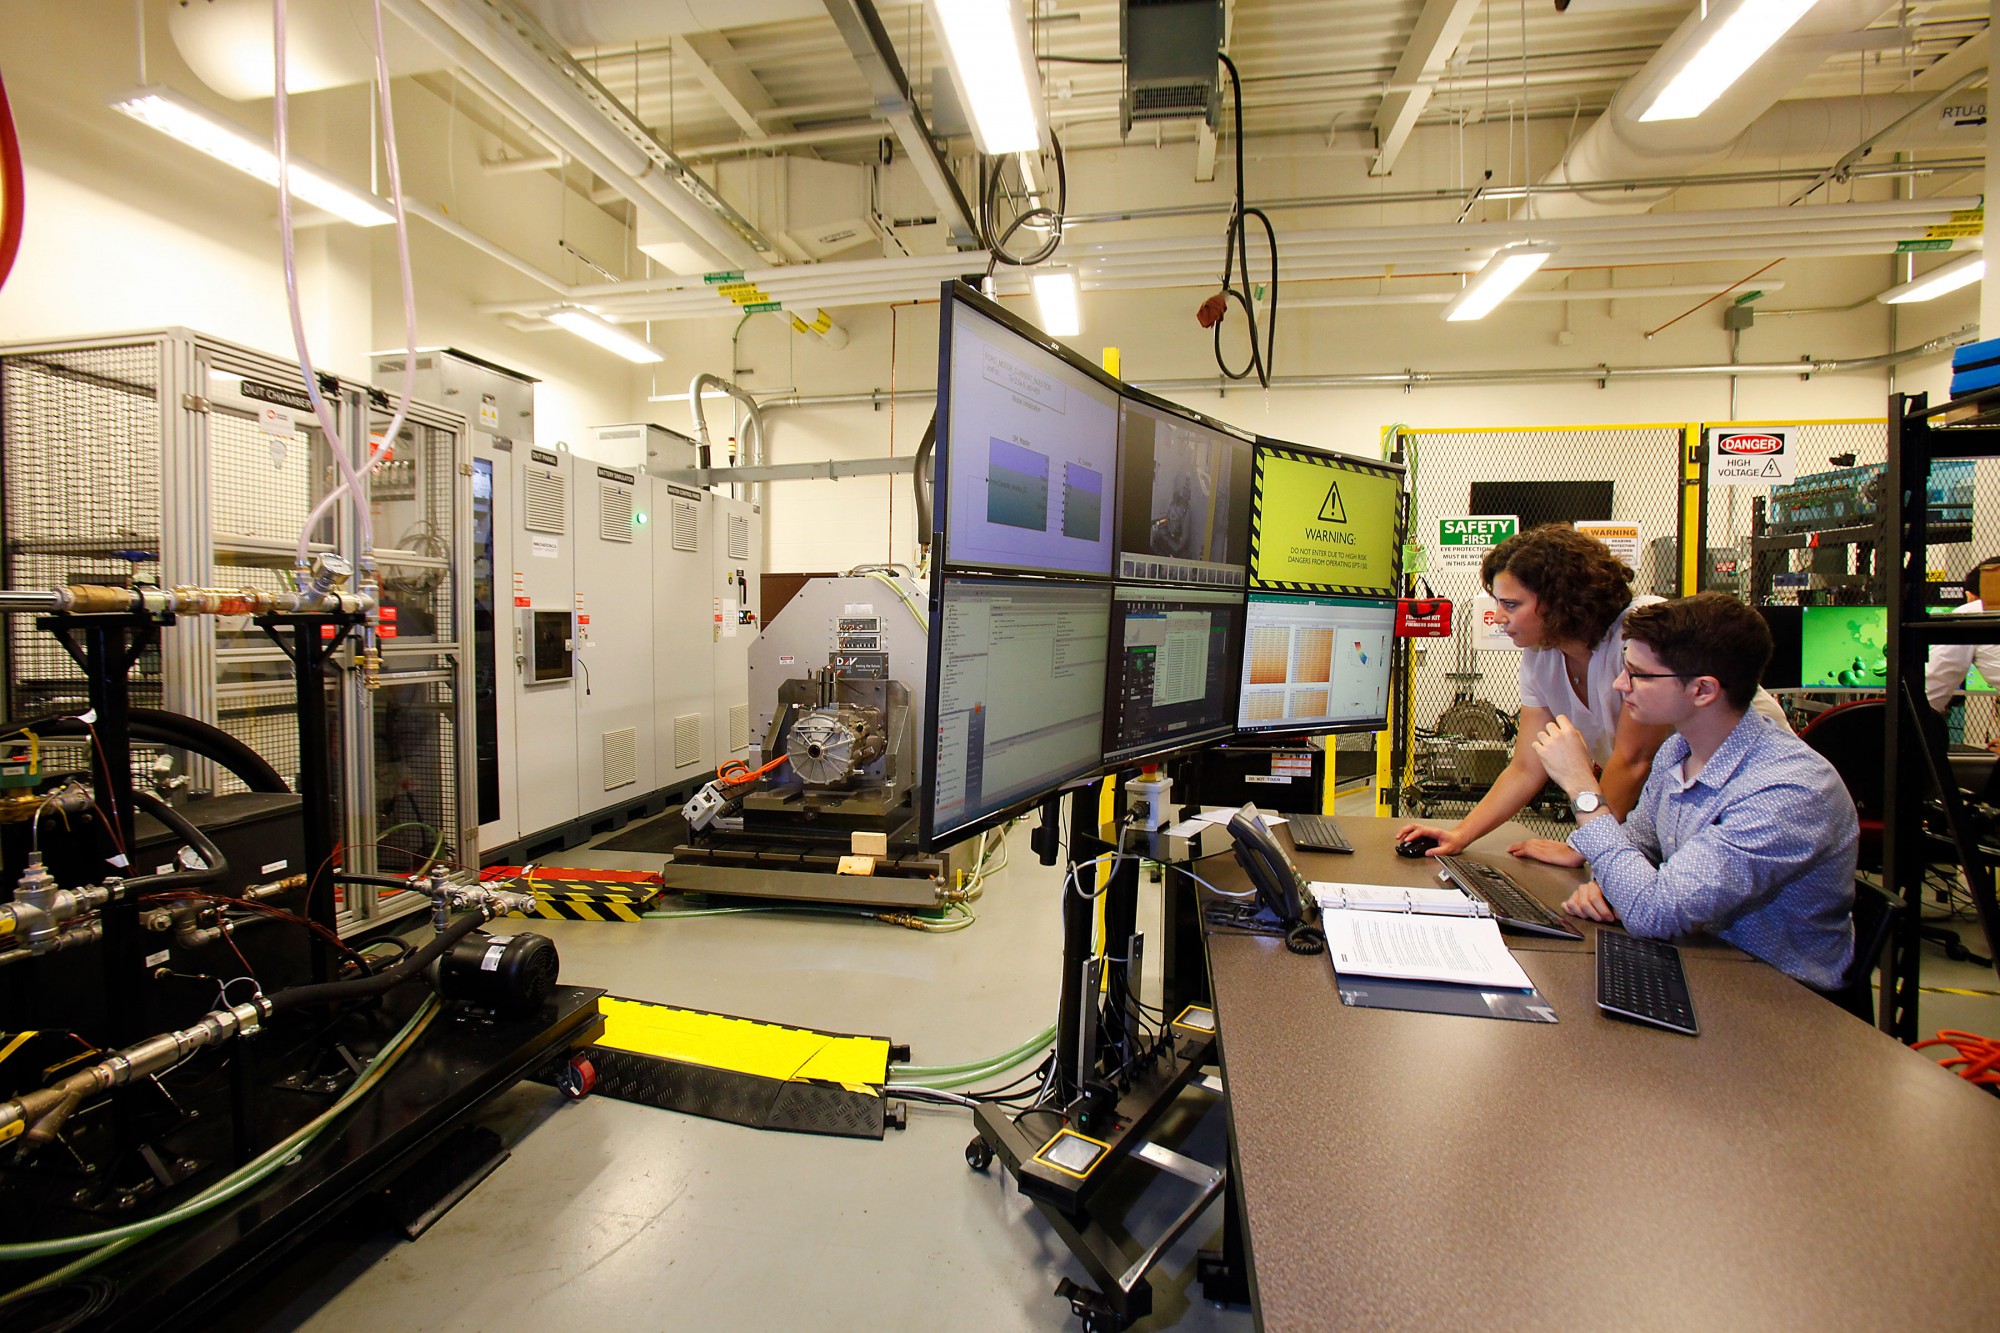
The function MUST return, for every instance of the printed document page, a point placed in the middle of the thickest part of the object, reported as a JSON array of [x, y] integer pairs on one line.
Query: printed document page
[[1466, 950]]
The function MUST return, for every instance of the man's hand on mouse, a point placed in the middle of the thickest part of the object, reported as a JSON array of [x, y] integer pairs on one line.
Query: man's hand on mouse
[[1448, 842]]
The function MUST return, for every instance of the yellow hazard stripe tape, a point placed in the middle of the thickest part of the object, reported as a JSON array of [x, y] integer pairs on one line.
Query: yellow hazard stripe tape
[[20, 1039]]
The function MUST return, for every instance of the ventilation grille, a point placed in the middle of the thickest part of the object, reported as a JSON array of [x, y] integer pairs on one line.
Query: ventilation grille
[[614, 513], [547, 501], [739, 727], [621, 758], [687, 739], [739, 537], [686, 515]]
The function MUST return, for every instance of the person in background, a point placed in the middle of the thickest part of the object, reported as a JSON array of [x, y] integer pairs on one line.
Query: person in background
[[1563, 597], [1742, 830], [1944, 675]]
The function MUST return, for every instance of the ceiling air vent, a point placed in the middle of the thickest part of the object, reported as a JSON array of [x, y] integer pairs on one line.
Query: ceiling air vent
[[1171, 72]]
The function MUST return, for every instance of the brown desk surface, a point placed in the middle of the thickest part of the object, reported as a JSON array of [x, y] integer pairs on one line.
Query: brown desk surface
[[1791, 1167]]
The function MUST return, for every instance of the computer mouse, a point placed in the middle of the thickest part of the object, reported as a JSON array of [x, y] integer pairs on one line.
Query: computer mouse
[[1416, 846]]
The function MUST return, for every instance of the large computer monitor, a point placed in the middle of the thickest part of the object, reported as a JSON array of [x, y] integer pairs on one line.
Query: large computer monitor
[[1325, 522], [1173, 672], [1844, 647], [1027, 447], [1183, 497], [1315, 663], [1015, 706]]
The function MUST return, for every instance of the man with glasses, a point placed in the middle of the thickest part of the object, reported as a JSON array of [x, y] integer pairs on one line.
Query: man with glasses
[[1741, 830]]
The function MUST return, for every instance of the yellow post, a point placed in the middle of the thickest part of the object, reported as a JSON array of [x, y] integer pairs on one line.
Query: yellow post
[[1110, 359], [1694, 523]]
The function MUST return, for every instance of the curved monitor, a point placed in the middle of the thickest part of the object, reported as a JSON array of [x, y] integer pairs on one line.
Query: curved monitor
[[1325, 522], [1183, 497], [1027, 448], [1316, 663]]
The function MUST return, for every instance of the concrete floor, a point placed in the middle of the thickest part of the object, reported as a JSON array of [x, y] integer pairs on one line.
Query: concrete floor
[[614, 1216]]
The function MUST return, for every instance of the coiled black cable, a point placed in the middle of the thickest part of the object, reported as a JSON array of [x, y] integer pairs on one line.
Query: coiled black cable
[[188, 832], [989, 199], [1236, 254]]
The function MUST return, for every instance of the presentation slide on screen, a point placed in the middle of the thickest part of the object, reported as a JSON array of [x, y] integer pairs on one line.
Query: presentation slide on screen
[[1032, 456], [1020, 704], [1320, 522], [1315, 662], [1184, 503]]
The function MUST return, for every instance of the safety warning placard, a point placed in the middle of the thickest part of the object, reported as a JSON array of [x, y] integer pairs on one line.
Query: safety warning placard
[[1751, 455]]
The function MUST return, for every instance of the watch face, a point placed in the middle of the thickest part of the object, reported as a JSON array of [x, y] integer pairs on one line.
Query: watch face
[[1587, 801]]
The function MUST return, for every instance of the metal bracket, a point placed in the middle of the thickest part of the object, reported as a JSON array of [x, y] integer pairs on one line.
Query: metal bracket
[[194, 402]]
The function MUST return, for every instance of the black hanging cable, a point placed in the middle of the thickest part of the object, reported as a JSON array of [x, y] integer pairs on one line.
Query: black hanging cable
[[1235, 255], [989, 207]]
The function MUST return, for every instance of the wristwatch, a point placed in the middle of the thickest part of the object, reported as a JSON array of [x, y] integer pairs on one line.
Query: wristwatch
[[1586, 803]]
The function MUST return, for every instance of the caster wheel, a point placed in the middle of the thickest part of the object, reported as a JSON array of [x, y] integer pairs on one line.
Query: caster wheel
[[577, 1078], [979, 1154]]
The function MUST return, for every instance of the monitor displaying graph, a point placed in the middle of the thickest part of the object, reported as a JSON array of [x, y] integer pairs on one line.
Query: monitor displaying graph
[[1315, 663], [1027, 449]]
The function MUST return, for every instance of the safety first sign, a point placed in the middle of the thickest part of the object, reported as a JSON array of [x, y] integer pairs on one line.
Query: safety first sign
[[1751, 456]]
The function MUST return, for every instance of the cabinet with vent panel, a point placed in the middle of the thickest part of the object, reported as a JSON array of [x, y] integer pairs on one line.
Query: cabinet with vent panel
[[738, 570], [684, 634], [548, 679], [615, 740]]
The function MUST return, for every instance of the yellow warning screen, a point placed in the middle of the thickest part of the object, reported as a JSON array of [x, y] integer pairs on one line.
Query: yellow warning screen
[[1323, 522]]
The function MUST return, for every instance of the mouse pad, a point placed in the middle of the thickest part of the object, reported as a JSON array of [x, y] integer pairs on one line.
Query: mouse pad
[[1438, 997]]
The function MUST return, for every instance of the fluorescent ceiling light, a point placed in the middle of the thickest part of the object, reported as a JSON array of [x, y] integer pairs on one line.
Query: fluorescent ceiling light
[[225, 141], [1720, 51], [1055, 295], [1960, 272], [1496, 281], [597, 329], [986, 44]]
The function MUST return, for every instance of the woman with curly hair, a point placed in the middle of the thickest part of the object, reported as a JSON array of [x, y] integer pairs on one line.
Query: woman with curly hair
[[1563, 597]]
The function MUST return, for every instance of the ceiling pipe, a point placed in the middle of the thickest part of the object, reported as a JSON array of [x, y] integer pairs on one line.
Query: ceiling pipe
[[1413, 379], [1619, 144]]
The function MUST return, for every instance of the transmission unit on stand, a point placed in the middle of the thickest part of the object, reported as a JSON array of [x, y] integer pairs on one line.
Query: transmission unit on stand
[[825, 811]]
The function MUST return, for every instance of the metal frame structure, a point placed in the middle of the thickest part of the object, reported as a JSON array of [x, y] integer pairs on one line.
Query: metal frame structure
[[182, 420]]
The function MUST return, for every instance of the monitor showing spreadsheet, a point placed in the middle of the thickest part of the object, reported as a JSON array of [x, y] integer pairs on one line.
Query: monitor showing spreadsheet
[[1172, 678]]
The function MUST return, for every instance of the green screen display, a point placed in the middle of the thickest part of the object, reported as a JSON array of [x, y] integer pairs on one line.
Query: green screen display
[[1847, 647]]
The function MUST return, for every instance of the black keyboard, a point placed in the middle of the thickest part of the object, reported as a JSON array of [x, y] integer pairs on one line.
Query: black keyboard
[[1317, 833], [1513, 906], [1642, 980]]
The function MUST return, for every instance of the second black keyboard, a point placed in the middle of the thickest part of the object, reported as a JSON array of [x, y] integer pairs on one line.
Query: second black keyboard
[[1317, 833], [1513, 906], [1642, 980]]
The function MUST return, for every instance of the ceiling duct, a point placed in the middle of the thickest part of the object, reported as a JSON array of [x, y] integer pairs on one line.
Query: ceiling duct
[[1620, 146], [1171, 72]]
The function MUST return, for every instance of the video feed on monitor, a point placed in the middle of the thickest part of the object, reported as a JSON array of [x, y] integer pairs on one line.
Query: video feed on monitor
[[1324, 522], [1016, 699], [1027, 450], [1184, 499], [1172, 676], [1315, 663]]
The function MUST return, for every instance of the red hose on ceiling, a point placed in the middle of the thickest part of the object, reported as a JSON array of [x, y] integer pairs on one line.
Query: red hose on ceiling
[[11, 209]]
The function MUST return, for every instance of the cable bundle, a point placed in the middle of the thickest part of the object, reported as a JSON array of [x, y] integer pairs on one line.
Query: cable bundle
[[1978, 1058]]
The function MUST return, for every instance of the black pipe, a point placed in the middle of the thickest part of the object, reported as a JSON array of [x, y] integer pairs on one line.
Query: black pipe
[[156, 726], [379, 881], [361, 988], [920, 478], [218, 864]]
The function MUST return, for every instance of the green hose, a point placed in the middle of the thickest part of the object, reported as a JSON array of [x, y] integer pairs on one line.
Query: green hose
[[105, 1244], [917, 1073]]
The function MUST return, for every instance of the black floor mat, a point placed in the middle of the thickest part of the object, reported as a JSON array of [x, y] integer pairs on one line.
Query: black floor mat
[[661, 833]]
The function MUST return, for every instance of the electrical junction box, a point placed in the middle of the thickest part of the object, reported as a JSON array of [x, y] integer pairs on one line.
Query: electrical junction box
[[496, 401], [642, 445]]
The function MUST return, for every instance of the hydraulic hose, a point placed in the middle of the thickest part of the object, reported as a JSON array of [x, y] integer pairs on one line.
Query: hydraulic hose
[[920, 481], [211, 855], [104, 1244], [1003, 1061], [158, 727], [361, 988]]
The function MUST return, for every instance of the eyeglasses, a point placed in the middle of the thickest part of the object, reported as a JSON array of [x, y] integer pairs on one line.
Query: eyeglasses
[[1656, 675]]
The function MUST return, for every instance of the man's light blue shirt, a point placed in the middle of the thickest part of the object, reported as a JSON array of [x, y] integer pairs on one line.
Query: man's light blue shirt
[[1758, 848]]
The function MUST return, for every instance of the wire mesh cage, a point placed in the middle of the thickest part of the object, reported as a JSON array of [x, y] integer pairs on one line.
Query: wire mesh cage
[[414, 493], [1465, 695], [80, 468], [416, 764]]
